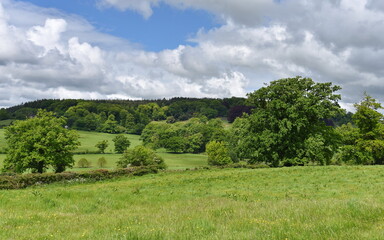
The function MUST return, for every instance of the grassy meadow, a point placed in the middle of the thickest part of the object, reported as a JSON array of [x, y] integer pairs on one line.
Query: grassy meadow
[[89, 139], [282, 203]]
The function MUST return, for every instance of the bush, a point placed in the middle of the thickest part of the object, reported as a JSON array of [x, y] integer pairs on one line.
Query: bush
[[140, 156], [12, 181], [102, 162], [218, 153], [83, 163]]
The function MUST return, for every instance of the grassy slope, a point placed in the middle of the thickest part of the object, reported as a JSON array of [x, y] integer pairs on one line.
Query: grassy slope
[[89, 139], [285, 203]]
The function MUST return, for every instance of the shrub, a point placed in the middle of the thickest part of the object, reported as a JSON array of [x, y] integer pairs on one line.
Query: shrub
[[12, 181], [218, 153], [83, 163], [141, 156], [102, 162]]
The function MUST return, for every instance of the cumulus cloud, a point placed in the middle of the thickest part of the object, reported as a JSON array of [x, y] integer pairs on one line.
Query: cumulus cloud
[[55, 55], [48, 36]]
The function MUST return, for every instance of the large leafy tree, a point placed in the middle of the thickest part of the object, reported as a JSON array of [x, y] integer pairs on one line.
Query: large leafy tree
[[287, 124], [39, 143]]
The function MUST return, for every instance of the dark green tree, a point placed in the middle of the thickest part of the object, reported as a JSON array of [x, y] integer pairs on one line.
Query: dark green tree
[[121, 143], [288, 117], [364, 144], [102, 145], [38, 143]]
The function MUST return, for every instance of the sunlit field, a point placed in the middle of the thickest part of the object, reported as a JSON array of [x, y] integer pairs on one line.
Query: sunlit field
[[89, 139], [281, 203]]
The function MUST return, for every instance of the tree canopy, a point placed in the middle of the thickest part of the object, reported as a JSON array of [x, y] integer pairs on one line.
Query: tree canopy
[[38, 143], [287, 123]]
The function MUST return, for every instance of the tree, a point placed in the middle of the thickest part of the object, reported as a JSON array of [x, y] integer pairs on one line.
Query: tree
[[111, 125], [83, 163], [218, 153], [102, 145], [38, 143], [102, 162], [364, 144], [288, 117], [140, 156], [121, 143]]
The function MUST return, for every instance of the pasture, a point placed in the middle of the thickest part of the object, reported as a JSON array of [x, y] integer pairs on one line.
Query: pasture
[[281, 203], [89, 139]]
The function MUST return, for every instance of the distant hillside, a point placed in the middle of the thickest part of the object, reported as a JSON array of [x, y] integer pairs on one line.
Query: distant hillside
[[114, 116]]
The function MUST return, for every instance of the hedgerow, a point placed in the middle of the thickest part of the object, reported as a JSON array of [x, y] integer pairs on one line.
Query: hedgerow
[[18, 181]]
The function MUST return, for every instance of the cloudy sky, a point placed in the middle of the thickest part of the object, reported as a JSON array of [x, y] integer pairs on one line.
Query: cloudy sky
[[197, 48]]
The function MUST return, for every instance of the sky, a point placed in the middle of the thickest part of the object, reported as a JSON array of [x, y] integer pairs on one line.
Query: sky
[[149, 49]]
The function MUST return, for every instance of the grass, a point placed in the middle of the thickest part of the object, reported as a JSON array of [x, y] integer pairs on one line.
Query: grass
[[283, 203], [7, 122], [89, 139]]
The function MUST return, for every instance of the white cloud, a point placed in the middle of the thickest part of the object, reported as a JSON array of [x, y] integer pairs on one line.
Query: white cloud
[[47, 54], [48, 36], [144, 7]]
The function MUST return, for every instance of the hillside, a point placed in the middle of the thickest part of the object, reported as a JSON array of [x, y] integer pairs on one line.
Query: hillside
[[282, 203]]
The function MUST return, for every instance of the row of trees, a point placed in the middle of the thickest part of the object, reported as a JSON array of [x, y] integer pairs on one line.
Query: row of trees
[[183, 137], [115, 116], [288, 125], [121, 143]]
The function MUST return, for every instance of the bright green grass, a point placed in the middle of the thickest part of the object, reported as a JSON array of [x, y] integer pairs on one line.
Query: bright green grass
[[173, 161], [284, 203], [90, 139], [6, 122]]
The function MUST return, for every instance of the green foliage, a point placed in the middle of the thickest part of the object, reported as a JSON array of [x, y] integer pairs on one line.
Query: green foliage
[[367, 118], [287, 124], [365, 143], [111, 125], [83, 163], [17, 181], [102, 145], [121, 143], [38, 143], [101, 162], [140, 156], [184, 137], [218, 153]]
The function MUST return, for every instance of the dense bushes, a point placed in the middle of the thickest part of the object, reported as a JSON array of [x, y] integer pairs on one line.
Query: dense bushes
[[141, 156], [184, 137], [16, 181]]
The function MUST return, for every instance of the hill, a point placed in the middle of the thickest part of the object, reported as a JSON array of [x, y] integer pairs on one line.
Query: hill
[[282, 203]]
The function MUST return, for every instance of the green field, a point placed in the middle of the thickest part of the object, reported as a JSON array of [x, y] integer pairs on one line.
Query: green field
[[281, 203], [89, 139]]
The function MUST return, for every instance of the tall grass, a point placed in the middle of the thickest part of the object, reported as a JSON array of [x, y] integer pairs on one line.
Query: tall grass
[[284, 203]]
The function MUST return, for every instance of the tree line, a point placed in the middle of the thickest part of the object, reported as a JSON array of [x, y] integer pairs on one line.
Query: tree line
[[118, 116], [289, 122]]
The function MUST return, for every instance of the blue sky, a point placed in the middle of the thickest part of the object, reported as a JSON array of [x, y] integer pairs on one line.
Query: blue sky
[[142, 49], [167, 28]]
